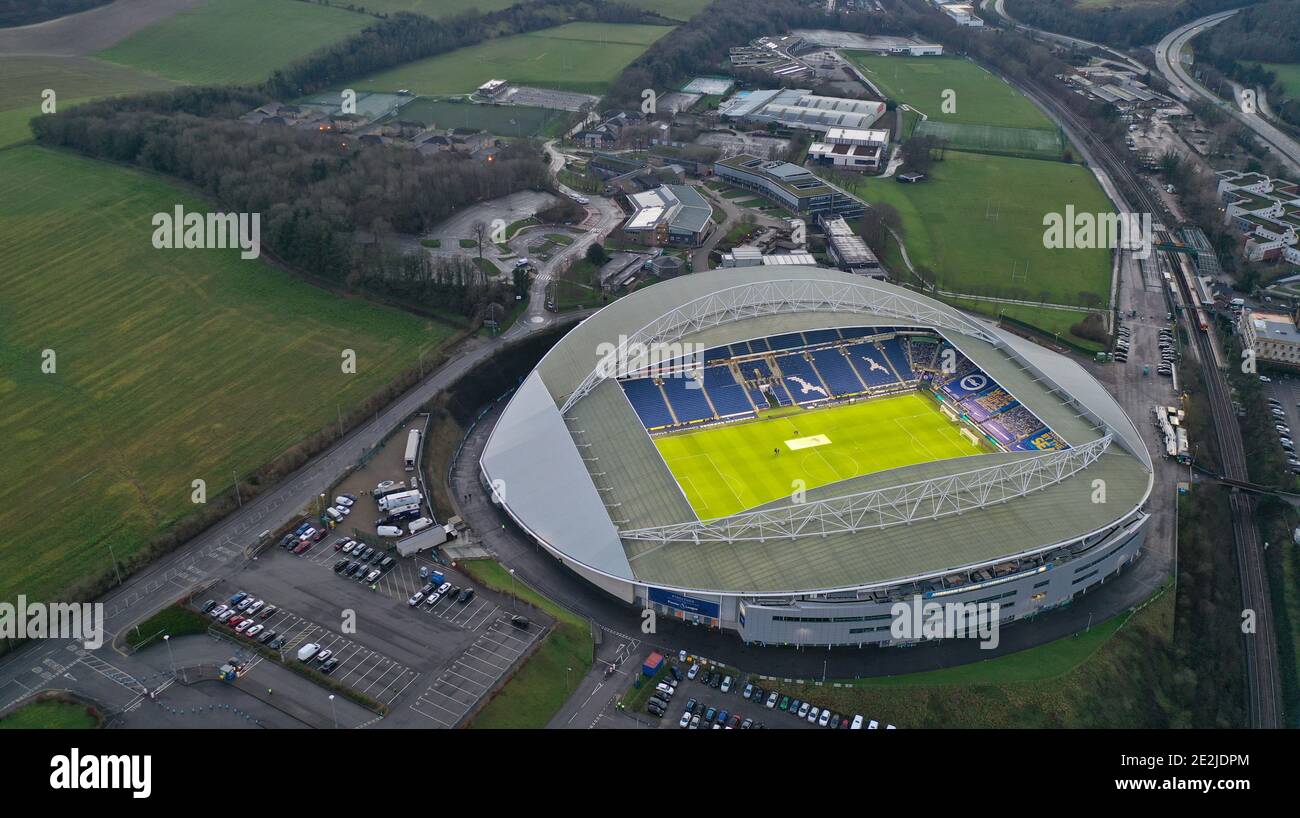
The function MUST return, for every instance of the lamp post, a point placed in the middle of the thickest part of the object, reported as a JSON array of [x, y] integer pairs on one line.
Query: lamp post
[[512, 590], [334, 709], [167, 640]]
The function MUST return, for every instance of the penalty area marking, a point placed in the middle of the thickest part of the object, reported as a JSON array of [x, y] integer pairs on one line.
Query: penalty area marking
[[807, 442]]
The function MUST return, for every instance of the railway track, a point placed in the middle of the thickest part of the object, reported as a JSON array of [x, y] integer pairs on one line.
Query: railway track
[[1264, 688]]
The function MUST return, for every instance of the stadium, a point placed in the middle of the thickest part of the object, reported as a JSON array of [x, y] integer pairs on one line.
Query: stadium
[[788, 452]]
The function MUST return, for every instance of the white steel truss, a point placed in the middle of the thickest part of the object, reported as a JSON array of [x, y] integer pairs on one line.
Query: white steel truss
[[773, 298], [891, 506]]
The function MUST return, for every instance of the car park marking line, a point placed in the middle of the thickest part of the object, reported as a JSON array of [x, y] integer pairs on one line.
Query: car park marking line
[[392, 666], [493, 653], [379, 659]]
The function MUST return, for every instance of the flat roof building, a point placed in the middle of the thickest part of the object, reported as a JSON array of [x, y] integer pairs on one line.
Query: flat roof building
[[850, 253], [669, 214], [747, 255], [1272, 335], [793, 187], [851, 149], [800, 108]]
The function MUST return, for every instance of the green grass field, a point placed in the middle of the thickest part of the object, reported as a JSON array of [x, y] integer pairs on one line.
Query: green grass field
[[50, 715], [980, 97], [1034, 143], [540, 687], [1288, 74], [171, 366], [234, 42], [73, 80], [977, 223], [728, 469], [503, 120], [580, 57]]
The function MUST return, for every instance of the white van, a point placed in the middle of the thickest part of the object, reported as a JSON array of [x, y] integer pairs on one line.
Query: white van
[[419, 525], [307, 651], [334, 514], [857, 723], [388, 531]]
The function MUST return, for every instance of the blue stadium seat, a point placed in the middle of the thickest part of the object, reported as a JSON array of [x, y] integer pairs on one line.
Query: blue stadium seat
[[716, 354], [728, 396], [898, 357], [863, 356], [836, 372], [801, 379], [648, 402], [792, 340], [689, 405], [821, 336]]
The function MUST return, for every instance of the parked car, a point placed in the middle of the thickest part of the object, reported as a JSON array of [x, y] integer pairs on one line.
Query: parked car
[[465, 596], [771, 700], [825, 719], [803, 710], [693, 672], [520, 622], [329, 665], [267, 637], [218, 611], [254, 631], [432, 599], [209, 605], [323, 655], [415, 599], [277, 643], [268, 612]]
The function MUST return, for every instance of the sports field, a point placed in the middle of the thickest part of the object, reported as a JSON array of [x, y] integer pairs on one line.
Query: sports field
[[503, 120], [73, 80], [978, 96], [581, 57], [727, 469], [170, 366], [977, 224], [234, 42]]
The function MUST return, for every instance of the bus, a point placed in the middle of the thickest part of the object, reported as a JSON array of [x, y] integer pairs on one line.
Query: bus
[[412, 448]]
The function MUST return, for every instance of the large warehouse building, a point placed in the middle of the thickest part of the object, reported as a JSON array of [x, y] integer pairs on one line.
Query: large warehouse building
[[993, 470]]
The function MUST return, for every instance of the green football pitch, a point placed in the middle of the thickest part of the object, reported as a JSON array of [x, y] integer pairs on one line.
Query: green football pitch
[[727, 469]]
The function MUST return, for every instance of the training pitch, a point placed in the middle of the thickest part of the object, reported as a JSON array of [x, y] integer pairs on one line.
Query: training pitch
[[728, 469]]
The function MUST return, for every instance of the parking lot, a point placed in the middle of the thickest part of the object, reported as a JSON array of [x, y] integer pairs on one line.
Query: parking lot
[[715, 709], [475, 672], [363, 669], [1286, 391]]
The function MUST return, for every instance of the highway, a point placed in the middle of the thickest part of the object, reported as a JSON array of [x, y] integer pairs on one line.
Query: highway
[[1169, 60]]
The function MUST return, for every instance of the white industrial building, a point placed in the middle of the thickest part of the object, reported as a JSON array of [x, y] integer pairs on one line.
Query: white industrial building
[[800, 108], [747, 255], [851, 149]]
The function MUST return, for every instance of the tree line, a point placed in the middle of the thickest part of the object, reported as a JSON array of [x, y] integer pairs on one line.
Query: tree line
[[318, 193], [1120, 26]]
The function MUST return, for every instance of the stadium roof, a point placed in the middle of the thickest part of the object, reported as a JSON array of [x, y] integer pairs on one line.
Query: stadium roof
[[548, 460]]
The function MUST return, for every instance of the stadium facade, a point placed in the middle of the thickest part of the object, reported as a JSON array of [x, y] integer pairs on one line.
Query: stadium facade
[[1046, 508]]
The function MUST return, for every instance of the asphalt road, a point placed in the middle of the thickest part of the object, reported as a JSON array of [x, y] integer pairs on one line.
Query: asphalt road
[[1169, 61]]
